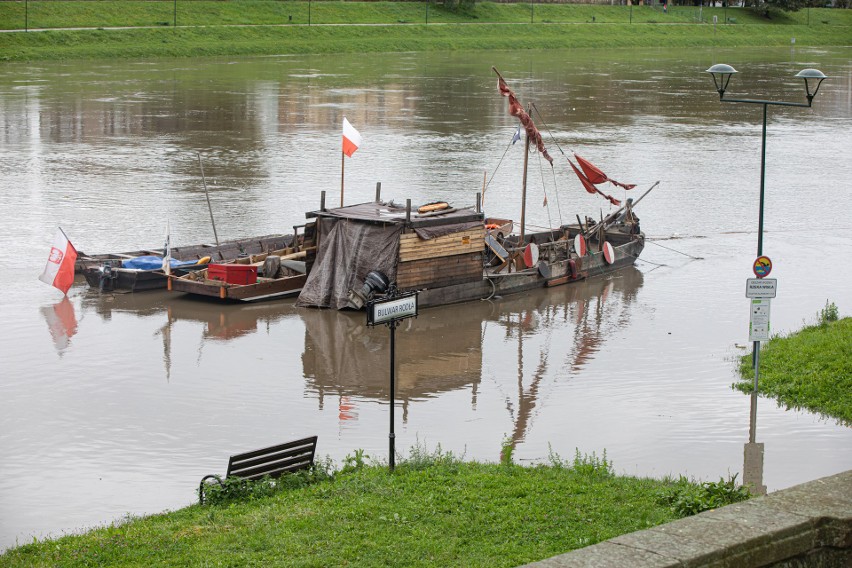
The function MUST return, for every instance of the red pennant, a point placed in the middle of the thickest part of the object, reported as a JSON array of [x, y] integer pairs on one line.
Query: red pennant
[[596, 176]]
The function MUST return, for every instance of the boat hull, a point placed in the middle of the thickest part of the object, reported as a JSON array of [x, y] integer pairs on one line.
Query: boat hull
[[495, 285], [264, 289]]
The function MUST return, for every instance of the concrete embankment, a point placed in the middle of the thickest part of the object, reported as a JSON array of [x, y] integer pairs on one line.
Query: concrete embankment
[[806, 525]]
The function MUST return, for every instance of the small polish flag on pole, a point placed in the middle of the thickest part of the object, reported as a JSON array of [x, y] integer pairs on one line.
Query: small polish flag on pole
[[59, 271], [351, 138], [351, 141]]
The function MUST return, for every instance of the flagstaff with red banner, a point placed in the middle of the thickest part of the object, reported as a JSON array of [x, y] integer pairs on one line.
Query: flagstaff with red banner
[[351, 142], [59, 271]]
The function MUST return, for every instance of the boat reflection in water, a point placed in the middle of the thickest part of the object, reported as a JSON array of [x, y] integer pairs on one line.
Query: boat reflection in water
[[442, 349]]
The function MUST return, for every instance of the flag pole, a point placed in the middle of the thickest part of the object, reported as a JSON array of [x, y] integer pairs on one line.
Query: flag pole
[[342, 166]]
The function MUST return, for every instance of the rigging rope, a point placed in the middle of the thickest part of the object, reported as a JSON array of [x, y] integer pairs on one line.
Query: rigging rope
[[495, 171], [677, 251]]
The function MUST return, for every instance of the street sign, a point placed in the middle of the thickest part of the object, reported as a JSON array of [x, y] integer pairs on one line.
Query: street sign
[[394, 309], [762, 266], [761, 287], [758, 329]]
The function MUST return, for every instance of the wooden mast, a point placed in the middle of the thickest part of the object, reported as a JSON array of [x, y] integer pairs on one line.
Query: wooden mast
[[524, 190]]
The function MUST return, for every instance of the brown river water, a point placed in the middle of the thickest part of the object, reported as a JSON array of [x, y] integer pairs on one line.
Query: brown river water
[[115, 405]]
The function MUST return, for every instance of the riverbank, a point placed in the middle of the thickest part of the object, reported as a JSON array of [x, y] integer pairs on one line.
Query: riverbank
[[265, 28], [809, 369], [434, 510]]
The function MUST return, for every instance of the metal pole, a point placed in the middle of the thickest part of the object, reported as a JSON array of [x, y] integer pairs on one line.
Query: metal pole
[[342, 166], [175, 16], [752, 428], [392, 437], [762, 185], [27, 16], [309, 12], [532, 11]]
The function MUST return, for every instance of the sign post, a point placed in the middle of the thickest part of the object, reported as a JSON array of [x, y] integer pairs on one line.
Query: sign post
[[390, 311], [760, 291]]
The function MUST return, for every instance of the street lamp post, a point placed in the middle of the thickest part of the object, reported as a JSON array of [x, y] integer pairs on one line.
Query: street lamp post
[[722, 74]]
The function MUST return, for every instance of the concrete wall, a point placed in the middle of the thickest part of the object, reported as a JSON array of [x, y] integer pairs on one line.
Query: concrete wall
[[805, 525]]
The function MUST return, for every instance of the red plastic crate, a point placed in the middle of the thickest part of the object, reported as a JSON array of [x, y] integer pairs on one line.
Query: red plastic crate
[[233, 273]]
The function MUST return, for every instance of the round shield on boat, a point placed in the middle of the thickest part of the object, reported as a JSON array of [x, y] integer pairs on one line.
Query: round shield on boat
[[531, 255], [609, 254], [580, 245]]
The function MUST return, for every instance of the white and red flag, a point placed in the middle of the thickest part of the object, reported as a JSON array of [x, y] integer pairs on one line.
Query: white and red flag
[[59, 271], [351, 138]]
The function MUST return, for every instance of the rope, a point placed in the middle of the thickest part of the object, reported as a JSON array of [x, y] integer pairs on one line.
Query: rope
[[677, 251], [506, 151], [547, 204]]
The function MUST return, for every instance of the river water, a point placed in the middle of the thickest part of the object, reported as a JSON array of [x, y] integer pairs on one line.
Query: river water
[[118, 404]]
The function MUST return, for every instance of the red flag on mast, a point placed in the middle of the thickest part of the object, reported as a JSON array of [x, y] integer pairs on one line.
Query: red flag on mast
[[590, 187], [59, 271], [596, 176], [517, 109]]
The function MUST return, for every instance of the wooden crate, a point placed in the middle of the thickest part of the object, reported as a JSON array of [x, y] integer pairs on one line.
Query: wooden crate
[[412, 247]]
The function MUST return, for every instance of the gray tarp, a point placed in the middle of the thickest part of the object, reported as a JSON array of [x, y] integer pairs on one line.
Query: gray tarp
[[348, 250]]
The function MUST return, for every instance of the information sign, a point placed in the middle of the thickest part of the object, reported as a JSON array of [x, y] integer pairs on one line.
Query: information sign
[[398, 308], [759, 324], [761, 287]]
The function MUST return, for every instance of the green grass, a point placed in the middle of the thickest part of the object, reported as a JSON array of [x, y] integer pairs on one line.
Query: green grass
[[809, 369], [260, 27], [434, 510]]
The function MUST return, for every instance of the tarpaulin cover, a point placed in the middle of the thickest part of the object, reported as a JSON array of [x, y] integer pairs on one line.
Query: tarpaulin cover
[[348, 250], [152, 262]]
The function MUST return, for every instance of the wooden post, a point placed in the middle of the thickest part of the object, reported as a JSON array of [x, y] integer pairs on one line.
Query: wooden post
[[322, 200], [378, 191], [342, 165], [407, 211], [524, 191], [478, 202]]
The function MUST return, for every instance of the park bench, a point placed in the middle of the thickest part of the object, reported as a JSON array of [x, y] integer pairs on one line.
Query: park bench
[[272, 461]]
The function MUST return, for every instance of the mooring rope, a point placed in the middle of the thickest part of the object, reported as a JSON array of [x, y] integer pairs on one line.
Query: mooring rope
[[677, 251]]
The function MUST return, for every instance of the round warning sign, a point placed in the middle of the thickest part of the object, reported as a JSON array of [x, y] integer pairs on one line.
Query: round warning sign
[[762, 266]]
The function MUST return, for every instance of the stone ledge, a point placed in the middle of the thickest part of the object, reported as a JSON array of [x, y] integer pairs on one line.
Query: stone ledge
[[805, 525]]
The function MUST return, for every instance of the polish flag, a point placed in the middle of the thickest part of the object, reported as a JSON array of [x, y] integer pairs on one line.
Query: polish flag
[[351, 138], [59, 271]]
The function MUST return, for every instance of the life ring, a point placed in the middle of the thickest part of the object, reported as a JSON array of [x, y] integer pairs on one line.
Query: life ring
[[490, 226]]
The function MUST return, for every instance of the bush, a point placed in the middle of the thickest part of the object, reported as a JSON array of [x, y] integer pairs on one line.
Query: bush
[[686, 499]]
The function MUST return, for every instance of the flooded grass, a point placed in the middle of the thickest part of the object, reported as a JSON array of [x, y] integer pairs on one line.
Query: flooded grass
[[810, 369]]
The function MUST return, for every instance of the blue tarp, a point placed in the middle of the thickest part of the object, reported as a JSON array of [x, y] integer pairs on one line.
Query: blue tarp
[[153, 262]]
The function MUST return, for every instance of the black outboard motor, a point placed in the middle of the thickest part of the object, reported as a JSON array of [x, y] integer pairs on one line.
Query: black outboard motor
[[374, 283], [106, 277]]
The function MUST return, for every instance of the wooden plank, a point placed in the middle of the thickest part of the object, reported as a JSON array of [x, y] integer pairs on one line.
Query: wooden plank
[[429, 273], [411, 247]]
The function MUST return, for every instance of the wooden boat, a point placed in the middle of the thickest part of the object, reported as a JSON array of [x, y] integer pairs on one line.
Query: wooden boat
[[107, 278], [109, 273], [452, 255], [246, 280], [224, 251]]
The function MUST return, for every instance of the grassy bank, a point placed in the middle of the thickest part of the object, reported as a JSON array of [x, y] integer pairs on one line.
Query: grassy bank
[[434, 510], [808, 369], [266, 28], [220, 41]]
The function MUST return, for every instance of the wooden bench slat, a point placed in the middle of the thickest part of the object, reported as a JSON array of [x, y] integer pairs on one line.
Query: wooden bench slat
[[311, 441], [284, 462]]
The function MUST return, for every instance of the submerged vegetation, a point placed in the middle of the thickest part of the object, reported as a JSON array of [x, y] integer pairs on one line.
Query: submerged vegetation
[[434, 510], [264, 27], [808, 369]]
